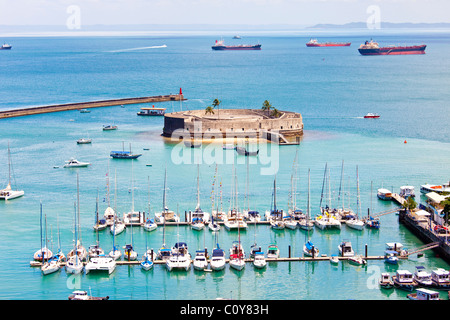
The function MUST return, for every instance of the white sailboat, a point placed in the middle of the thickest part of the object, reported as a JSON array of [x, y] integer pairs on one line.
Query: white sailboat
[[8, 193], [74, 264], [218, 259], [130, 254], [234, 220], [200, 262], [276, 216], [80, 249], [49, 264], [180, 258], [150, 223], [95, 250], [259, 261], [237, 254], [327, 218], [166, 214], [199, 218], [355, 222], [115, 252]]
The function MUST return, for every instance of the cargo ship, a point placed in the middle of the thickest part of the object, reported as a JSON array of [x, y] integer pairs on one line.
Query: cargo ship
[[371, 48], [315, 43], [219, 45]]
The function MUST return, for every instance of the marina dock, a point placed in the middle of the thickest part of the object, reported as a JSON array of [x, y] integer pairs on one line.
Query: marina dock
[[87, 105]]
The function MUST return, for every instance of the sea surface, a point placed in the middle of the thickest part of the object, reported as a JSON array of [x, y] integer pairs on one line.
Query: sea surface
[[333, 88]]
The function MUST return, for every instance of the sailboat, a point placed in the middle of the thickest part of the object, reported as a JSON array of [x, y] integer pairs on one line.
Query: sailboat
[[164, 252], [249, 215], [74, 264], [166, 214], [276, 216], [237, 253], [234, 218], [308, 248], [327, 219], [115, 252], [43, 251], [180, 257], [95, 250], [80, 249], [130, 254], [218, 260], [356, 223], [147, 262], [8, 193], [198, 216], [150, 223], [49, 264]]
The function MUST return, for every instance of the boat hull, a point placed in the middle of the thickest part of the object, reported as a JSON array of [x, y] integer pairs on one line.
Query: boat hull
[[392, 50], [330, 44], [242, 47]]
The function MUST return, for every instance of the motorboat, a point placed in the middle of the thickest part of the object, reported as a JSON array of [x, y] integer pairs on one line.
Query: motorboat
[[218, 260], [259, 261], [273, 251], [254, 249], [403, 279], [252, 215], [74, 163], [167, 216], [391, 257], [181, 248], [422, 277], [83, 295], [345, 249], [384, 194], [133, 218], [101, 263], [371, 115], [407, 191], [424, 294], [309, 250], [373, 223], [357, 260], [109, 215], [385, 281], [334, 259], [84, 141], [213, 225], [150, 225], [109, 127], [178, 261], [440, 278], [426, 188], [326, 221], [396, 246], [200, 262]]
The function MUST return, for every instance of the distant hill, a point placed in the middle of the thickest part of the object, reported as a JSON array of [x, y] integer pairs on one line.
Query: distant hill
[[384, 25]]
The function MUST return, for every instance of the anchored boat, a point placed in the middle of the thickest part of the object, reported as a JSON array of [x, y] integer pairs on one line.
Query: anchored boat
[[371, 48]]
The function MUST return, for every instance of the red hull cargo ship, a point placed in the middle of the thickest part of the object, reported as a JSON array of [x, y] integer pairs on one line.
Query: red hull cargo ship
[[315, 43], [373, 49], [219, 45]]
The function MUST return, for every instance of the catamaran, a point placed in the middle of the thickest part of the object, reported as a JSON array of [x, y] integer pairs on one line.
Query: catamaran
[[8, 193]]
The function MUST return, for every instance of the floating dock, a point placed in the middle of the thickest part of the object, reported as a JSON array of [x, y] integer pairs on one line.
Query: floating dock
[[87, 105]]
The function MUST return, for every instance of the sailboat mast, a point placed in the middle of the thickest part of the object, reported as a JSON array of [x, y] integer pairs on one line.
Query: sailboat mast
[[358, 203]]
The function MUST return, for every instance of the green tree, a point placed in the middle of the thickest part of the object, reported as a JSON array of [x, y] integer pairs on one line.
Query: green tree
[[446, 210], [216, 103], [409, 204], [209, 110], [266, 106], [275, 113]]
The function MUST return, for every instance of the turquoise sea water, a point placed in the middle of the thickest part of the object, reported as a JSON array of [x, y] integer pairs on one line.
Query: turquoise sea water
[[333, 88]]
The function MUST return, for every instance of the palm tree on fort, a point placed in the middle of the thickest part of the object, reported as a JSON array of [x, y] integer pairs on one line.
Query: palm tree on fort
[[266, 106], [209, 110], [275, 113], [216, 103]]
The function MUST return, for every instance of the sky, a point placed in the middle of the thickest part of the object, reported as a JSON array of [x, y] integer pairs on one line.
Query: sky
[[248, 12]]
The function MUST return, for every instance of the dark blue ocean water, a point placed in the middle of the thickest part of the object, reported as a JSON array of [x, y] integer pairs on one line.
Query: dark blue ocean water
[[333, 88]]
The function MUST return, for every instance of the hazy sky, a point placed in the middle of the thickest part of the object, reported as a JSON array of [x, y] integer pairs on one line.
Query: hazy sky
[[298, 12]]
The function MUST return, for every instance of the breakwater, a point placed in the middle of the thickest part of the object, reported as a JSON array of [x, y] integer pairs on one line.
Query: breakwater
[[87, 105]]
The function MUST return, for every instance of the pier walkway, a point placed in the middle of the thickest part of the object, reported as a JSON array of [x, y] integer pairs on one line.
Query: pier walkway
[[86, 105]]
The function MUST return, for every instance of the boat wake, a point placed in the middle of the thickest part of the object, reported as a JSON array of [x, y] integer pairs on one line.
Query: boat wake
[[140, 48]]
